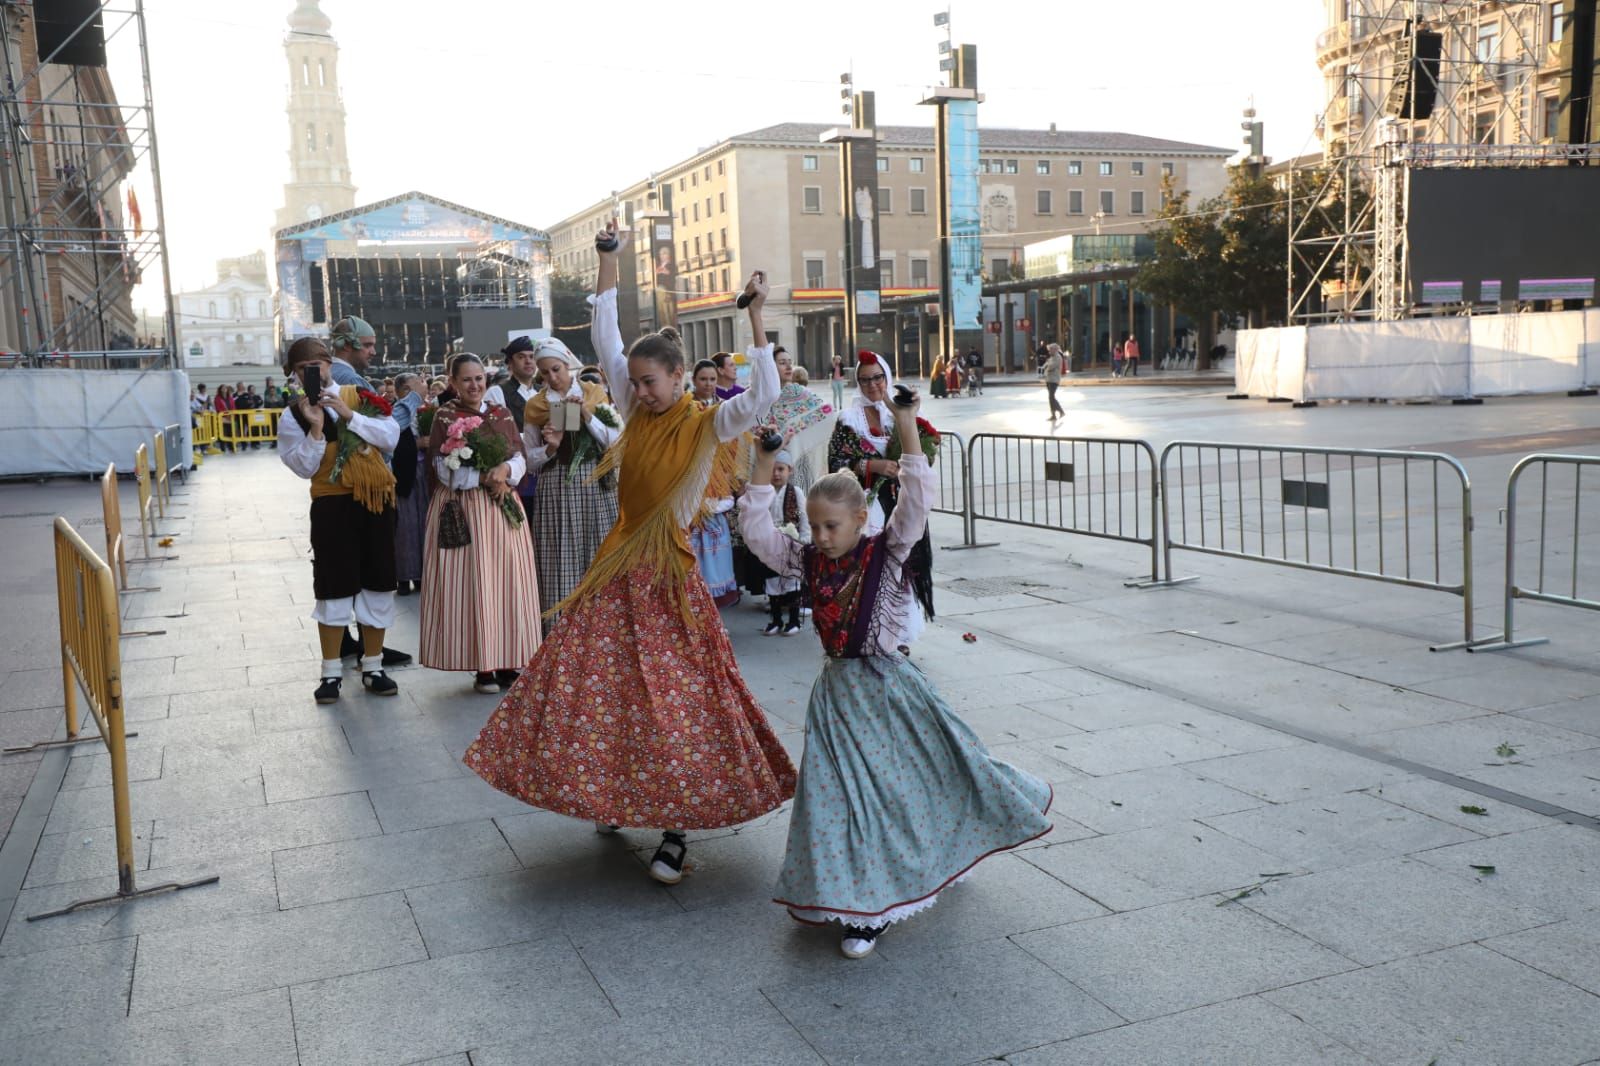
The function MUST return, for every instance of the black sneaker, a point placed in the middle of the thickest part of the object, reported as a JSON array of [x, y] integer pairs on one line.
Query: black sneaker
[[379, 683], [484, 682], [395, 658], [505, 678], [666, 865], [773, 629], [328, 691], [859, 940], [792, 629]]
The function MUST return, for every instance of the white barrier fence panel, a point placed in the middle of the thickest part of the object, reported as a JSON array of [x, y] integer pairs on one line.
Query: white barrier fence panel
[[1388, 360], [1516, 354], [1271, 363], [76, 421]]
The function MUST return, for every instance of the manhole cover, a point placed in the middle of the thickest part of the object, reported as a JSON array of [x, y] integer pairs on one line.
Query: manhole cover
[[982, 587]]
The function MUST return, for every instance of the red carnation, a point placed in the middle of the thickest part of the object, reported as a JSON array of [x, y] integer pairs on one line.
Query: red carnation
[[375, 400]]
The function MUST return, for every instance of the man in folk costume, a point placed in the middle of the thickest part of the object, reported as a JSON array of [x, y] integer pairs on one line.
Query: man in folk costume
[[352, 344], [513, 395], [866, 442], [567, 427], [337, 443]]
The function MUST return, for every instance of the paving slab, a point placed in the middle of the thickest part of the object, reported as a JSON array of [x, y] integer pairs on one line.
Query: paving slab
[[293, 776], [1141, 799], [1242, 1032], [1303, 772], [85, 853], [979, 1001], [1569, 950], [423, 1010], [195, 963], [160, 798], [1469, 745], [1136, 747], [1122, 960], [1556, 869], [1445, 802], [1570, 781], [1462, 1005], [262, 830], [1334, 831], [85, 985], [456, 917], [367, 866], [443, 802], [1169, 862], [733, 1030], [254, 1030], [1516, 686], [1581, 715]]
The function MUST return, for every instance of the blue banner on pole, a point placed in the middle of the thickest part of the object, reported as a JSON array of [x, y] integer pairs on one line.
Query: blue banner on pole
[[966, 241]]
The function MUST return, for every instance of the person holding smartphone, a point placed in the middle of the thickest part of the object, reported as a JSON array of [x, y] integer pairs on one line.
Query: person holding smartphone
[[352, 513]]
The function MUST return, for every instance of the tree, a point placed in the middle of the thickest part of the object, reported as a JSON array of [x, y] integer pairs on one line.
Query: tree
[[569, 299]]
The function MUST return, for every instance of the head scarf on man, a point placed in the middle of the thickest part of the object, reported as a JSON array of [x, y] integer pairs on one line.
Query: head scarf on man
[[349, 332]]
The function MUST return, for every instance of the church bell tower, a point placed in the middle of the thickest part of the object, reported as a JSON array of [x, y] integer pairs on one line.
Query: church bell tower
[[319, 165]]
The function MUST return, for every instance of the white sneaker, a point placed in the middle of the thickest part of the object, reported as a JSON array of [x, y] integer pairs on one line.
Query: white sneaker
[[859, 941], [666, 865], [605, 829]]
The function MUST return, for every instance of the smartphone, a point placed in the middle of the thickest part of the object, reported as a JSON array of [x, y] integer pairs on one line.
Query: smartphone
[[311, 381]]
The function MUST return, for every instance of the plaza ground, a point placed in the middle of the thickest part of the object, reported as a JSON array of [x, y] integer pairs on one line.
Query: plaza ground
[[1276, 814]]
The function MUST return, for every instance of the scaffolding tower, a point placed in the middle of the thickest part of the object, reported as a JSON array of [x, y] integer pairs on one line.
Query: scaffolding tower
[[76, 241], [1497, 100]]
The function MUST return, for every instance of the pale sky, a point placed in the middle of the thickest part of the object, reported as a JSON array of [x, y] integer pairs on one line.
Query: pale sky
[[535, 110]]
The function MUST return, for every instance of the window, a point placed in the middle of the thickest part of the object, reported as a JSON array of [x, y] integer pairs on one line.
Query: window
[[322, 72], [685, 254], [708, 207], [811, 202], [721, 164], [1352, 92], [999, 269], [1136, 202], [305, 71], [1075, 202], [1011, 166], [883, 165], [696, 207], [1483, 129], [919, 273], [1042, 202], [723, 233], [1108, 202], [694, 178], [814, 275], [722, 202], [680, 184], [914, 164], [1166, 170], [708, 171], [697, 247], [1556, 20], [885, 201], [1107, 168], [808, 162], [1074, 166], [311, 137], [1137, 168], [886, 272], [261, 309], [1487, 46], [919, 201], [725, 280], [1041, 167], [1552, 117], [683, 216], [211, 309]]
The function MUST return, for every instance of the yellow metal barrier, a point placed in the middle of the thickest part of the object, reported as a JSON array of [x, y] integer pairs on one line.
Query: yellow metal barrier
[[147, 521], [91, 661], [257, 426], [162, 489], [206, 431], [117, 545]]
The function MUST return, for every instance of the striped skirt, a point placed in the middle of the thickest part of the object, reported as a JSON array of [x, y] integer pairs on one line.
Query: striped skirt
[[480, 603], [570, 517]]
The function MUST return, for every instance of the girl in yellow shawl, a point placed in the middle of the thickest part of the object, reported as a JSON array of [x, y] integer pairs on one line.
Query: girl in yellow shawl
[[633, 712]]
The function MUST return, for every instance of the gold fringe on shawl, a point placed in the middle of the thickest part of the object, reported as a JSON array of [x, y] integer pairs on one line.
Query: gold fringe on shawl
[[364, 475], [679, 445]]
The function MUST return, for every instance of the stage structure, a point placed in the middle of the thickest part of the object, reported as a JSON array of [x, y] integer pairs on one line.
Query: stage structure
[[426, 273], [76, 160], [1429, 85]]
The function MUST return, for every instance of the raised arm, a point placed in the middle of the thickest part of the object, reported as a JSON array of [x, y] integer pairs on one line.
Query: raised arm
[[917, 486], [735, 416], [604, 330], [782, 555]]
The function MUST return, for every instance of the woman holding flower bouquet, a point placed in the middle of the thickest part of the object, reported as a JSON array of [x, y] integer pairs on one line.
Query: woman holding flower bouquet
[[480, 595], [566, 429], [634, 713]]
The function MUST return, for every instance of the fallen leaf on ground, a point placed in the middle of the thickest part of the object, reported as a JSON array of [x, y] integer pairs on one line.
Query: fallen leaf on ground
[[1485, 870], [1468, 808], [1505, 751]]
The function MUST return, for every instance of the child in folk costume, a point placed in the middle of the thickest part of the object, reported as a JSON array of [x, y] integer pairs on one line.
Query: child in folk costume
[[480, 599], [336, 441], [572, 509], [633, 713], [788, 513], [709, 534], [898, 798]]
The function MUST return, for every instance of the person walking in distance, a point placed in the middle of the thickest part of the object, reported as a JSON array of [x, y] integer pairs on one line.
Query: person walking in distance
[[836, 376], [1052, 379], [1130, 355], [975, 365], [633, 712]]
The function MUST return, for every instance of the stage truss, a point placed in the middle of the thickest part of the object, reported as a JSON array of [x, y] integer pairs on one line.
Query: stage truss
[[71, 150], [1347, 252]]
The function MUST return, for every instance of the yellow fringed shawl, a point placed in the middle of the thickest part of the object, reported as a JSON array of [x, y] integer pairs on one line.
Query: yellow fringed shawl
[[660, 490], [537, 410], [365, 475]]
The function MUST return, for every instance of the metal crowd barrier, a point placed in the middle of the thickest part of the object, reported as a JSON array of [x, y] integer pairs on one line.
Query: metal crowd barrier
[[207, 431], [1102, 487], [159, 471], [1364, 513], [91, 660], [147, 499], [173, 436], [1549, 587], [951, 469], [256, 426]]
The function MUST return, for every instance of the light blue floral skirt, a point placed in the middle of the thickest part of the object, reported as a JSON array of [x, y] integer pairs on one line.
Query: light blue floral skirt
[[712, 542], [898, 798]]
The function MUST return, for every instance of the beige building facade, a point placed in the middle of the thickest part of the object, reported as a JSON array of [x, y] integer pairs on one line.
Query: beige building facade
[[770, 200]]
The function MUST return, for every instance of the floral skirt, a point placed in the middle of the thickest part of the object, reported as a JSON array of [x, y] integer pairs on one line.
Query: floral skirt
[[898, 798], [630, 716], [712, 542]]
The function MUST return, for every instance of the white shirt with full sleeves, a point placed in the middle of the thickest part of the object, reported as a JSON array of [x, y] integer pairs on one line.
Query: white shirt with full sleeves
[[533, 436], [465, 477], [732, 417], [303, 454]]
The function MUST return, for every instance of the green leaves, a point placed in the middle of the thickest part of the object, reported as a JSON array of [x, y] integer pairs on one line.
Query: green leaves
[[1505, 750], [1467, 808], [1483, 870]]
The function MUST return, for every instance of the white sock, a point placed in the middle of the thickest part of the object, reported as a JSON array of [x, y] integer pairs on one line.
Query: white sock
[[332, 668], [370, 663]]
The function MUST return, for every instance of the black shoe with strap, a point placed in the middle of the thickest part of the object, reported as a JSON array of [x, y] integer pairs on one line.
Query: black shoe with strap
[[328, 691], [666, 865], [379, 683], [395, 658]]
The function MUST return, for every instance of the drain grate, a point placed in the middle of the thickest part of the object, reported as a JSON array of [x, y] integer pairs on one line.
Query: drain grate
[[983, 587]]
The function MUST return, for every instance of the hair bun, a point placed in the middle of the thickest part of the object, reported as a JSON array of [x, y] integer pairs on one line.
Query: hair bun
[[671, 334]]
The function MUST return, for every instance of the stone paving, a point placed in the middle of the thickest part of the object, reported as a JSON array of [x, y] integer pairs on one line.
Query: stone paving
[[1276, 814]]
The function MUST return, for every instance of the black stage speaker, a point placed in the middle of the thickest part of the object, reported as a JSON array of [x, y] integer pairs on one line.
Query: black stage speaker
[[1416, 82], [70, 32]]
